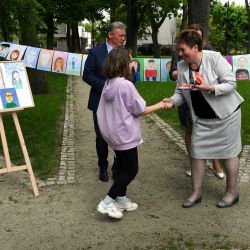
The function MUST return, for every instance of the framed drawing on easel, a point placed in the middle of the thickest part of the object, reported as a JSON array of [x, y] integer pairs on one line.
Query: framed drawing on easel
[[14, 81], [15, 95]]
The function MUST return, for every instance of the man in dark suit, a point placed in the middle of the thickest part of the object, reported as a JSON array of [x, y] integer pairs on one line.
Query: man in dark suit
[[93, 76]]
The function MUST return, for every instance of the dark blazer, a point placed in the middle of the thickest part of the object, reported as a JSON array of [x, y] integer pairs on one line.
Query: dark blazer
[[93, 75]]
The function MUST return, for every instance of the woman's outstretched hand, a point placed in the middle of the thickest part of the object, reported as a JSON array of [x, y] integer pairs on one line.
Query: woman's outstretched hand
[[168, 103]]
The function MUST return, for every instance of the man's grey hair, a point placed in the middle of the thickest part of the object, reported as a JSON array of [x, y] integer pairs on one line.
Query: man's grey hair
[[116, 25]]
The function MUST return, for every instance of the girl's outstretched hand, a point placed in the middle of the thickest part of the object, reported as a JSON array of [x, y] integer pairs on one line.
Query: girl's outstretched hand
[[168, 103]]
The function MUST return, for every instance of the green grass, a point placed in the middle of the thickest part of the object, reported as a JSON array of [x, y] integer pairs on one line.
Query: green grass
[[153, 92], [41, 127]]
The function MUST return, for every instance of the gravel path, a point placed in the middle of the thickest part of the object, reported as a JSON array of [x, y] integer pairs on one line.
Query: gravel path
[[65, 216]]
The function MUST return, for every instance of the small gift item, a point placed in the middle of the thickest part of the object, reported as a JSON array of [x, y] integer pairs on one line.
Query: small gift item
[[197, 78]]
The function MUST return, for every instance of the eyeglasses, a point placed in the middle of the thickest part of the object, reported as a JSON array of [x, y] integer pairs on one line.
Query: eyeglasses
[[8, 95]]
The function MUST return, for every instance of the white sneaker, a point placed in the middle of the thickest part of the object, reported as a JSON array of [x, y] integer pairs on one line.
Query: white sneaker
[[110, 209], [128, 206]]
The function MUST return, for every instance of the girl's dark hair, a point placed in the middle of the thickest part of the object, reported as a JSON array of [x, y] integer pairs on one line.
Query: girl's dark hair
[[117, 64], [190, 37]]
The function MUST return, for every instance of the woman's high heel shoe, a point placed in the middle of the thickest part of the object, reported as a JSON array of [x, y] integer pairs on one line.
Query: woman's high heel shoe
[[188, 203], [223, 204]]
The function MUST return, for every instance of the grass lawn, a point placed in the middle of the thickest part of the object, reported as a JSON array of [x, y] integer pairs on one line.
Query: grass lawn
[[41, 127], [153, 92]]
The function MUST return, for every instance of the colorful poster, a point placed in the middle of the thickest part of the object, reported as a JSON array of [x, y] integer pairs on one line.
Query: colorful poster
[[9, 98], [31, 57], [152, 69], [4, 49], [241, 67], [229, 59], [59, 62], [165, 68], [141, 62], [16, 52], [45, 59], [74, 63], [136, 67], [15, 89], [84, 57]]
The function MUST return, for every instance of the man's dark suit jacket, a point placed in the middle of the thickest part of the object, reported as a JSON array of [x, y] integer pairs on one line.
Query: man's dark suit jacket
[[93, 75]]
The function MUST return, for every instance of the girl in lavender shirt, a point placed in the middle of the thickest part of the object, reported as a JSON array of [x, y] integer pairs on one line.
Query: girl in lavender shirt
[[118, 118]]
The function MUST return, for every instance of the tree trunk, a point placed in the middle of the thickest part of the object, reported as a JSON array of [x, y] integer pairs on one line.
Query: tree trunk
[[113, 11], [5, 35], [50, 31], [38, 82], [75, 41], [198, 12], [133, 25], [68, 39], [184, 16]]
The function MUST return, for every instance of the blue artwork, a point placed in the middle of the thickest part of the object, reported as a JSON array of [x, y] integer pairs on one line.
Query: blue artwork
[[31, 57], [4, 49], [135, 67], [165, 67], [9, 98], [74, 63]]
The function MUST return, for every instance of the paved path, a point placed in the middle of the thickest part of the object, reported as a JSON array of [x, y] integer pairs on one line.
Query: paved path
[[65, 216]]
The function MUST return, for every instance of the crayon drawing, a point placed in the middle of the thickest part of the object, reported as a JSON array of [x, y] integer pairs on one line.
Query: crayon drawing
[[31, 57], [45, 59], [9, 98], [5, 49], [135, 67], [241, 67], [15, 77], [152, 69], [16, 52], [74, 63], [59, 62], [165, 68]]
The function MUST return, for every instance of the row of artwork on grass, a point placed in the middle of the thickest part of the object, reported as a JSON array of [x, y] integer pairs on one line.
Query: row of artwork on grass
[[145, 69]]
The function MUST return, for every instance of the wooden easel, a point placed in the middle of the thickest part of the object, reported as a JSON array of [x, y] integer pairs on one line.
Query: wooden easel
[[27, 165]]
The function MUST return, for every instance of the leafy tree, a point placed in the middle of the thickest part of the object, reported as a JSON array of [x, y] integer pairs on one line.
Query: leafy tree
[[48, 15], [26, 14], [144, 13], [184, 15], [7, 22], [229, 27], [159, 11], [248, 17]]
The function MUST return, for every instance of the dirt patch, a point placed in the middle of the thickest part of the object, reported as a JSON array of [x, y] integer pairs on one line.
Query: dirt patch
[[65, 217]]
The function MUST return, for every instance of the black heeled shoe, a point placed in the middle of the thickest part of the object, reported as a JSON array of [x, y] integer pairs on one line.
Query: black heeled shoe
[[188, 203], [223, 204]]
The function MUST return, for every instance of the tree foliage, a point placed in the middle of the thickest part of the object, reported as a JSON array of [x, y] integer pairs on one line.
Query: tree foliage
[[228, 28]]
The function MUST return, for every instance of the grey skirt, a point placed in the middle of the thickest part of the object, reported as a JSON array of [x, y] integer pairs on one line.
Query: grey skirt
[[217, 138]]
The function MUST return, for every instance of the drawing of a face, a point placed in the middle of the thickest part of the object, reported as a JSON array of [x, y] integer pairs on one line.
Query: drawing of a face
[[151, 64], [9, 97], [3, 48], [168, 65], [58, 65], [14, 54], [45, 58], [135, 64], [15, 75], [31, 56], [242, 62]]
